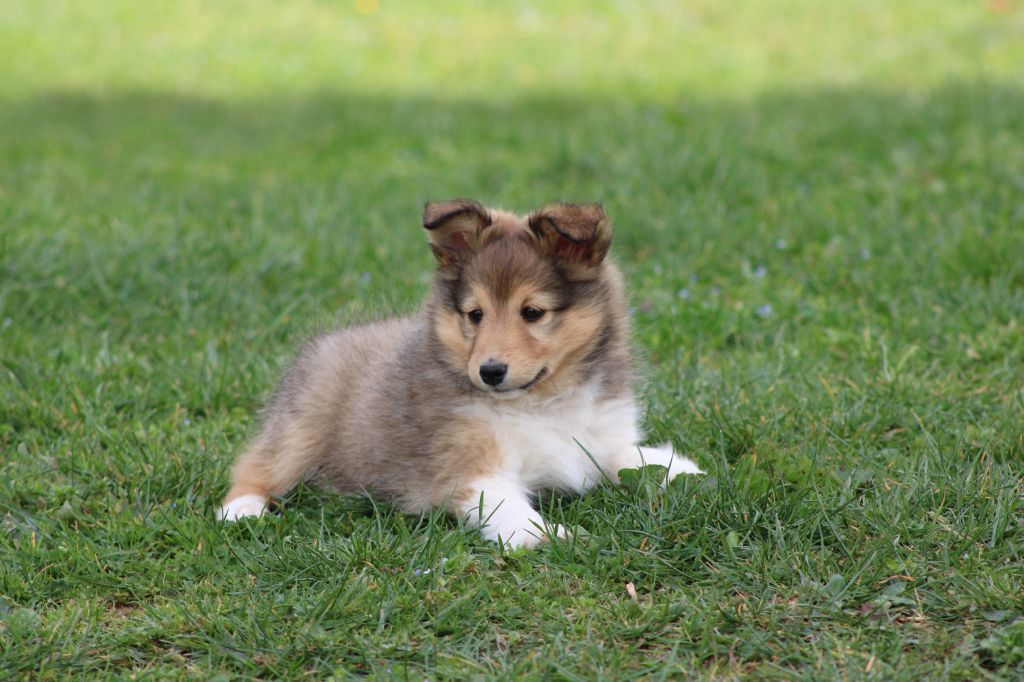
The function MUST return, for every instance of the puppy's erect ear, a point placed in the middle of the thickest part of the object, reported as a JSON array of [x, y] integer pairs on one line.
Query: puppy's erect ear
[[453, 228], [578, 235]]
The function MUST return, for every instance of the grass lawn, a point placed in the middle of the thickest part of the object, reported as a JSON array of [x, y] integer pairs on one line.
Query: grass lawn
[[820, 208]]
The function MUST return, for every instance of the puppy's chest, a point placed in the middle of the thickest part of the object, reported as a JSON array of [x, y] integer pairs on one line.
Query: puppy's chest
[[556, 444]]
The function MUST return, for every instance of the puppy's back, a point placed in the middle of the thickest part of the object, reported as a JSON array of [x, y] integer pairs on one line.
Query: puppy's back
[[322, 402]]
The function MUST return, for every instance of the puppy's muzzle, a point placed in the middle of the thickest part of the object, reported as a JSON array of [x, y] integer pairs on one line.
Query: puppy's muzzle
[[493, 372]]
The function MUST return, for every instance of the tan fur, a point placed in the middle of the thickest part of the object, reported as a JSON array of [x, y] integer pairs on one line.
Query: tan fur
[[382, 408]]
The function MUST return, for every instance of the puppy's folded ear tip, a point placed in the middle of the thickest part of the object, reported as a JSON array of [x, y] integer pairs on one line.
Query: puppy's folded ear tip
[[437, 212], [454, 228], [572, 211], [575, 233]]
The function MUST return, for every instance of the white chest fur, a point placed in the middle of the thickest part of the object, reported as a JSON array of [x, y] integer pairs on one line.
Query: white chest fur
[[555, 443]]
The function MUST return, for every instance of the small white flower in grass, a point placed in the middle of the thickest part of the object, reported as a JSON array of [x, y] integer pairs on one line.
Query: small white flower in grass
[[780, 244], [715, 291], [865, 254], [693, 278], [684, 294], [760, 271], [421, 571], [8, 322], [365, 277], [764, 310]]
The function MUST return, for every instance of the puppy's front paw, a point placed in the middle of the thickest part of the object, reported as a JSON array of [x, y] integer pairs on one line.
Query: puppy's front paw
[[526, 534], [557, 532], [677, 464], [501, 507], [661, 455], [529, 538], [240, 507]]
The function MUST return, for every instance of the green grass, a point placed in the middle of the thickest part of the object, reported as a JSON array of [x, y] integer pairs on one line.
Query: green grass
[[820, 212]]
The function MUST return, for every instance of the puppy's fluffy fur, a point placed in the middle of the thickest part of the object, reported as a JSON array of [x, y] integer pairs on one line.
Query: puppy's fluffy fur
[[515, 377]]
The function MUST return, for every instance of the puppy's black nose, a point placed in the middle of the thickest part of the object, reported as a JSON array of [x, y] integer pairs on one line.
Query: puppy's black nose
[[492, 372]]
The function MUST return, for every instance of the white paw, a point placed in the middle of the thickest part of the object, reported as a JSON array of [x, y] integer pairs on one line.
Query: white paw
[[240, 507], [664, 455], [557, 531], [678, 464], [525, 537]]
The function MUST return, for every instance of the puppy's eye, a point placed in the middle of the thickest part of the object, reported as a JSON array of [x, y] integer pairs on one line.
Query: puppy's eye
[[475, 315], [531, 314]]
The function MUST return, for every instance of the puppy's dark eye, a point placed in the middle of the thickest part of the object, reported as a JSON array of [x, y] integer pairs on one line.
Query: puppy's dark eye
[[531, 314], [475, 315]]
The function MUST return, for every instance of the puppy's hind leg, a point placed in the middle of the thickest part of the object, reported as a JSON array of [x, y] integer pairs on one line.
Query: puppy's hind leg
[[270, 466]]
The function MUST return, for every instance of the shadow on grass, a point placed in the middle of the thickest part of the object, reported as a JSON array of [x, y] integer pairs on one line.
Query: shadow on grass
[[665, 163], [330, 183]]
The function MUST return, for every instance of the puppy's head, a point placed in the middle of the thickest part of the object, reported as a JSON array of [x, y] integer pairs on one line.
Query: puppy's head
[[521, 300]]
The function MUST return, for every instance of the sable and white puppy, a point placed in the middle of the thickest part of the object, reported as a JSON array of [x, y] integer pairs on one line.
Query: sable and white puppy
[[514, 378]]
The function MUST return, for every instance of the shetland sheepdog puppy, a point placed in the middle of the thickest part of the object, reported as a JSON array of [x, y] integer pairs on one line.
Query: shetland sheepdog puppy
[[514, 378]]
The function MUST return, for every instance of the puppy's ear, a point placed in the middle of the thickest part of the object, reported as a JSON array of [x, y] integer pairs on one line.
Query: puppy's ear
[[577, 235], [453, 229]]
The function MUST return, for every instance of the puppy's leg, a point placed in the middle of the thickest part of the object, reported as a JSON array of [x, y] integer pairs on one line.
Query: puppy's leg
[[270, 466], [662, 455], [251, 481], [500, 506]]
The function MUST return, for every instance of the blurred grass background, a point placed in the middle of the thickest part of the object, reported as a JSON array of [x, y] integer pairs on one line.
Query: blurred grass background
[[502, 50]]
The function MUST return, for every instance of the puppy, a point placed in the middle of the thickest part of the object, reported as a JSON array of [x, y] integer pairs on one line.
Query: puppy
[[515, 377]]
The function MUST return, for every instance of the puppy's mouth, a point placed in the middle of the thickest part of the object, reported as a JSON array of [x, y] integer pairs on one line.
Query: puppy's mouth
[[540, 375]]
